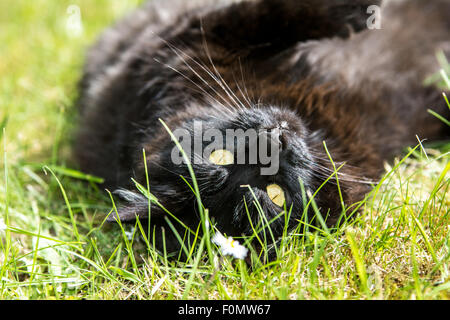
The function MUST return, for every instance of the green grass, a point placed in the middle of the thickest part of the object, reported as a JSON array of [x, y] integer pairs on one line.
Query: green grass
[[56, 246]]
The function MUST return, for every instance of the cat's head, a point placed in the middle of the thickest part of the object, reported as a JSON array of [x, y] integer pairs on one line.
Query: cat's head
[[253, 167]]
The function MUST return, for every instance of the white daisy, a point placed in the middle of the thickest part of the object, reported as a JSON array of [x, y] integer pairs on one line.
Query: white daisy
[[229, 246]]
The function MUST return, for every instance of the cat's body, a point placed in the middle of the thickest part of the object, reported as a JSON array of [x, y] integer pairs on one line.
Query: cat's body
[[309, 68]]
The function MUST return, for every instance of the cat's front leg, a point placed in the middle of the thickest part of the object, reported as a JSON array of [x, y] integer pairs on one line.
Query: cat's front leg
[[266, 26]]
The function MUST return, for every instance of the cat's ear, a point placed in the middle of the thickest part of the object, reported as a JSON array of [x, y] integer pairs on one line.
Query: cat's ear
[[136, 205]]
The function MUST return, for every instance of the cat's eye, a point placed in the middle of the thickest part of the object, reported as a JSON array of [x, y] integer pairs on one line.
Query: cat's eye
[[276, 194], [221, 157]]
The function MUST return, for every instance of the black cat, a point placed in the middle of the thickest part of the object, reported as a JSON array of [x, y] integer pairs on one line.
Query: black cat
[[305, 71]]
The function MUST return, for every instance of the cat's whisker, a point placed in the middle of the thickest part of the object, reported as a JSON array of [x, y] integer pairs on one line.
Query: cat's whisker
[[325, 172], [230, 115], [222, 82], [191, 81], [242, 93], [206, 82], [180, 52], [246, 95]]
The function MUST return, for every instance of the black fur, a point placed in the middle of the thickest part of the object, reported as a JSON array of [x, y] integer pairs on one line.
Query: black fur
[[310, 64]]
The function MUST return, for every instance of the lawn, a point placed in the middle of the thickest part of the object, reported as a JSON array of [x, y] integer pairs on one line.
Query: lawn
[[54, 243]]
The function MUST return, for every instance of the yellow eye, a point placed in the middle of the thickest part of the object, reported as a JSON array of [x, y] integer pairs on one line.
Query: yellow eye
[[221, 157], [276, 194]]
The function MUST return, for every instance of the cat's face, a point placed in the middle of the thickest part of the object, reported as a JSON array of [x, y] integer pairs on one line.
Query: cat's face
[[246, 163]]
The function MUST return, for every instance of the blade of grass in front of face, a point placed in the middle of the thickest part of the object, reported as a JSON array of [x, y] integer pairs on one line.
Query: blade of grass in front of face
[[147, 180], [128, 245], [336, 176], [203, 214], [156, 201], [177, 235], [285, 238], [254, 232], [304, 218], [318, 215], [150, 250], [265, 223], [312, 203], [193, 245]]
